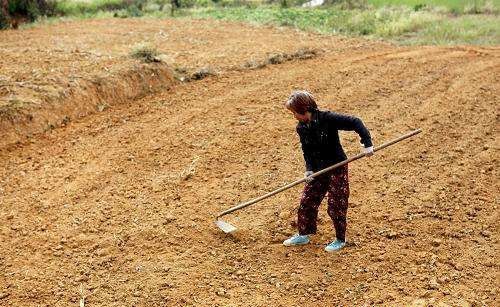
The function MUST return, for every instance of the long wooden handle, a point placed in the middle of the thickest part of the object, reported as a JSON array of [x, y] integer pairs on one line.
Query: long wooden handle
[[288, 186]]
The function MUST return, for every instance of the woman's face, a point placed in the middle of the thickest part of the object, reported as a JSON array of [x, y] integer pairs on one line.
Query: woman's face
[[301, 117]]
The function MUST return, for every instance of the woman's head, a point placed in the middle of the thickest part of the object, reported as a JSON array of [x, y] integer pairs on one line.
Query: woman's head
[[301, 104]]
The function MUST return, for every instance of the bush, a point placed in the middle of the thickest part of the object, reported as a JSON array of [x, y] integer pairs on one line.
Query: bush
[[68, 7], [487, 7], [134, 11], [14, 11], [4, 16], [145, 53], [4, 21], [24, 8], [348, 4]]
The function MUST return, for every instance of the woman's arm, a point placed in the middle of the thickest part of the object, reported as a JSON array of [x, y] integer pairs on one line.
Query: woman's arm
[[305, 150], [351, 123]]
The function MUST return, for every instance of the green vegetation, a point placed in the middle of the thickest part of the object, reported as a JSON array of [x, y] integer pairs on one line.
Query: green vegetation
[[146, 53], [399, 24], [442, 22], [469, 29], [13, 12], [451, 6], [75, 8]]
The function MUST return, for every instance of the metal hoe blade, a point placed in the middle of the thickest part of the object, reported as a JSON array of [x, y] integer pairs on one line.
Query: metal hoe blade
[[226, 227]]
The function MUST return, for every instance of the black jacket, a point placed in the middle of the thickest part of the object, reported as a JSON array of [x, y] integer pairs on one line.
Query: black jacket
[[320, 138]]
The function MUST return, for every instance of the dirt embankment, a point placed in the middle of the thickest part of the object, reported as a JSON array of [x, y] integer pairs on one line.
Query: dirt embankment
[[21, 119], [56, 73], [118, 207]]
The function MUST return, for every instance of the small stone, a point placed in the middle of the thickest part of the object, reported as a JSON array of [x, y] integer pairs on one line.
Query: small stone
[[436, 242], [392, 234], [443, 280], [239, 273], [221, 292], [3, 295], [433, 284], [486, 233], [82, 278]]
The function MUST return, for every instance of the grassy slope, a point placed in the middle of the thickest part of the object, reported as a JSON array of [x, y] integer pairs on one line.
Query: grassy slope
[[401, 23], [453, 5], [398, 24]]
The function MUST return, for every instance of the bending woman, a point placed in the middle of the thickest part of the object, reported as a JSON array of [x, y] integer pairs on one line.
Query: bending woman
[[319, 135]]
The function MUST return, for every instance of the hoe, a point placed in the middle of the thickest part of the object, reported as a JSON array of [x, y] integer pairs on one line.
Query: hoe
[[228, 228]]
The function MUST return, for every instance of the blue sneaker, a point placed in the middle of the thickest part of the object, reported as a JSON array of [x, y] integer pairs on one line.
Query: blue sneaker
[[296, 240], [335, 246]]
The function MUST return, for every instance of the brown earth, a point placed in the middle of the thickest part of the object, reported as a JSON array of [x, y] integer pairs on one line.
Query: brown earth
[[119, 207], [50, 75]]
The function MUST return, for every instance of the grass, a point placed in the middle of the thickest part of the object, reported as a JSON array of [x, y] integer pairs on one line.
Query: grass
[[10, 108], [471, 29], [145, 53], [452, 6], [421, 22], [398, 24], [75, 8]]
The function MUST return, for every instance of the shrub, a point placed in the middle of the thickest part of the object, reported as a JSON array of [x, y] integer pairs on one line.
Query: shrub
[[134, 11], [24, 8], [348, 4], [475, 8], [145, 53], [202, 73], [490, 8], [4, 15], [68, 7], [14, 11]]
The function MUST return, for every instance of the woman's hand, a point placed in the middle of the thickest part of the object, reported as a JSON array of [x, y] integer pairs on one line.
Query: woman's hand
[[307, 174], [368, 151]]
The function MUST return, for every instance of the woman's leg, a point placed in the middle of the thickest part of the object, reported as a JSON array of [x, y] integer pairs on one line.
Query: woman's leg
[[338, 196], [313, 194]]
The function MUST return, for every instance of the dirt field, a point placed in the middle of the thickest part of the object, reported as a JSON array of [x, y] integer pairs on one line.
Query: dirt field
[[118, 207]]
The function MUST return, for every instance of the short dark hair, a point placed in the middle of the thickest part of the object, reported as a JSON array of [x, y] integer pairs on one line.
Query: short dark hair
[[301, 102]]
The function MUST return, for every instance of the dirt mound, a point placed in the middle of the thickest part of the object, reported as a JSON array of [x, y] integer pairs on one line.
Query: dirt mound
[[39, 82], [118, 207], [80, 98]]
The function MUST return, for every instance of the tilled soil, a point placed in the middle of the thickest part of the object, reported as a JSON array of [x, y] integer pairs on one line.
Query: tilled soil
[[118, 207], [54, 74]]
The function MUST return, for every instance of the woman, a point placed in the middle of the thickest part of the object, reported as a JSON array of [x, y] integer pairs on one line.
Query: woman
[[319, 135]]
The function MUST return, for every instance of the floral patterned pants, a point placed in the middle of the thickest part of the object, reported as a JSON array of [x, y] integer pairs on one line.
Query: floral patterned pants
[[336, 183]]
